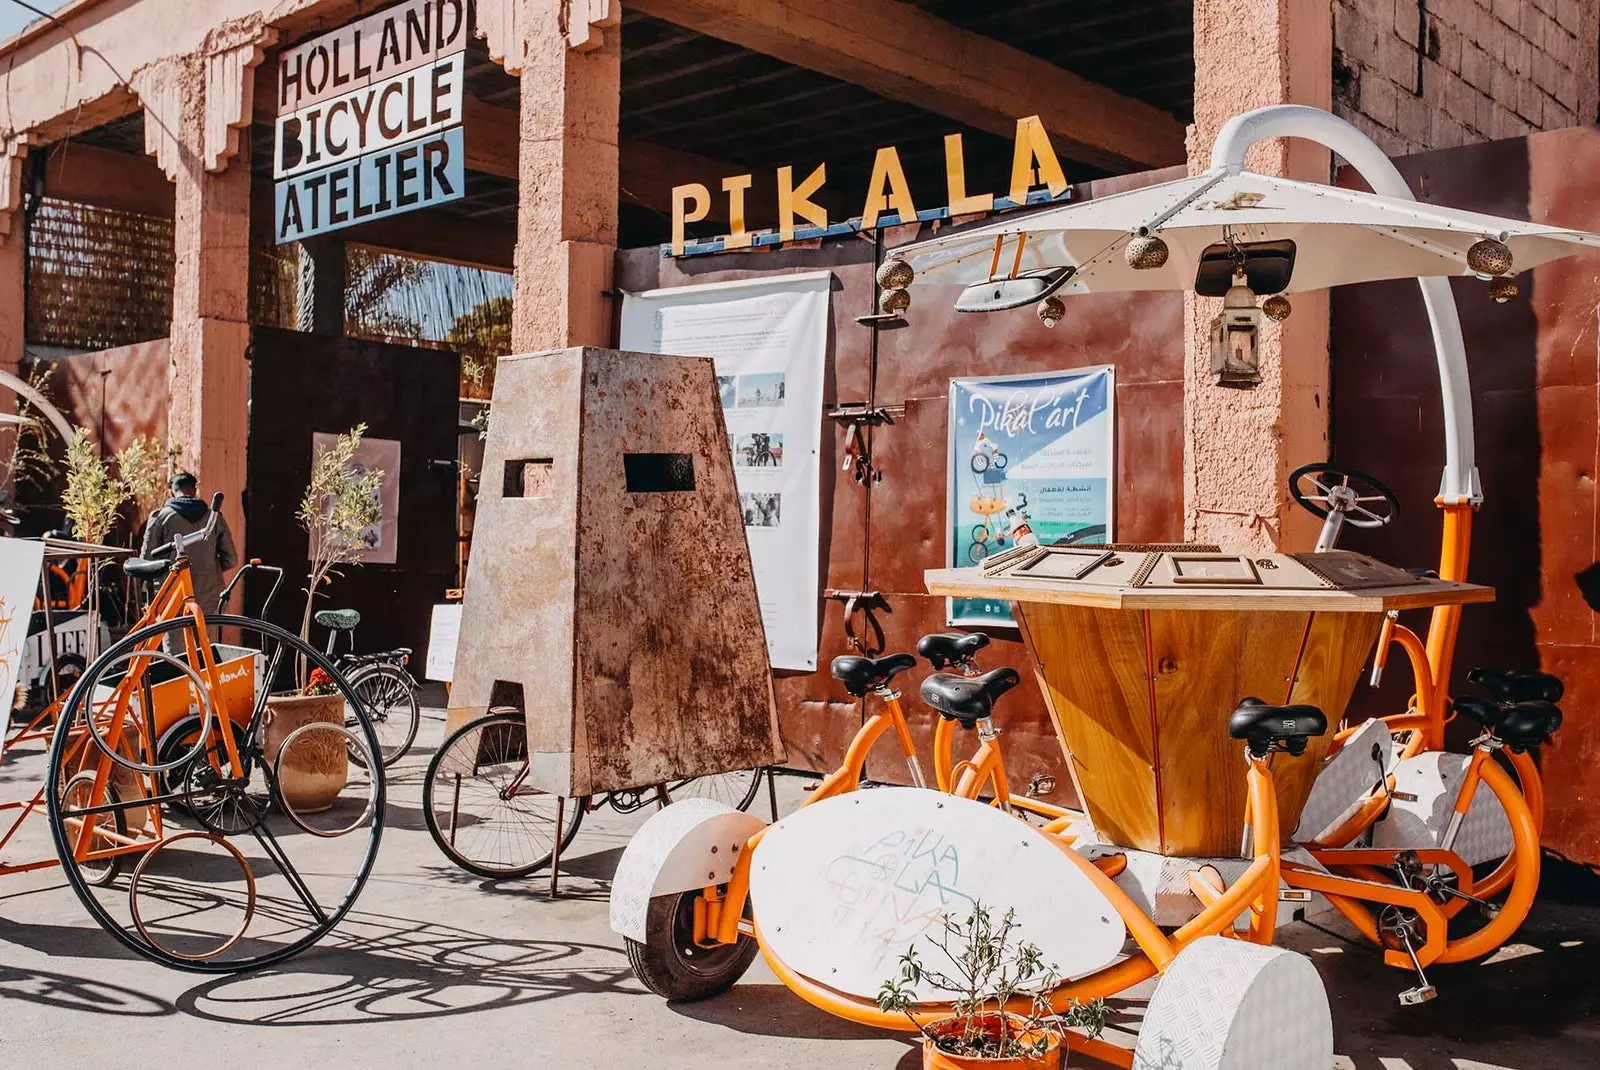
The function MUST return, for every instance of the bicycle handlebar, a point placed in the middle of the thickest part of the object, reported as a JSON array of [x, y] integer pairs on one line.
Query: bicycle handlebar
[[177, 541], [253, 563]]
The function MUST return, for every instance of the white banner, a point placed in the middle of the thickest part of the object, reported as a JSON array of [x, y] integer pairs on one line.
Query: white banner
[[19, 581], [769, 340]]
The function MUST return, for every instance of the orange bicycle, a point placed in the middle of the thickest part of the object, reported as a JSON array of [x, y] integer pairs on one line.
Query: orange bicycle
[[173, 746]]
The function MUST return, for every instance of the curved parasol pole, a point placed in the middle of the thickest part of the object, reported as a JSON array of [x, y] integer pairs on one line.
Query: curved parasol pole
[[37, 400], [1459, 488]]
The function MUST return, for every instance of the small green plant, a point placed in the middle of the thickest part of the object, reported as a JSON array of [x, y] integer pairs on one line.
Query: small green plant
[[340, 506], [93, 494], [145, 466], [991, 974]]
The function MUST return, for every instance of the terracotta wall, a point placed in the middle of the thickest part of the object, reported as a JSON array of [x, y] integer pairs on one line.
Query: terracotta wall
[[1488, 68], [882, 535], [1536, 393]]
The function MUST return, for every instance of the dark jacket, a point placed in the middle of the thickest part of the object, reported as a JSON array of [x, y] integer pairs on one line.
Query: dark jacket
[[207, 560]]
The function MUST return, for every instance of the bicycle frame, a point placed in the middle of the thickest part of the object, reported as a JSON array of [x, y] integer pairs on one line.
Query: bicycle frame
[[173, 599], [718, 915]]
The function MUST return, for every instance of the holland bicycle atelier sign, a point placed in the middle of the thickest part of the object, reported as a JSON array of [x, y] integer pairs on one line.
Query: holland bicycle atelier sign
[[369, 119]]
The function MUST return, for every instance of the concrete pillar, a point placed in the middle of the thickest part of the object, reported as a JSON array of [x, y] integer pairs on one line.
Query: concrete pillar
[[195, 110], [1240, 445], [567, 176], [13, 305]]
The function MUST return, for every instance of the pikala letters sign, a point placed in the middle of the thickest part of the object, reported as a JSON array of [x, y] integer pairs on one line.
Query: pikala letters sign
[[369, 119]]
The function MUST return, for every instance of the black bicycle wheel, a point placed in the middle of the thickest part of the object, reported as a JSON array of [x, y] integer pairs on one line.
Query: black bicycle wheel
[[477, 809], [736, 788], [256, 861], [390, 697]]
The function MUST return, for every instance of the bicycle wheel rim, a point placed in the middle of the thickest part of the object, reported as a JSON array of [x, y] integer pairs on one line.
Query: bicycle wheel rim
[[475, 816], [364, 855], [736, 788], [392, 708]]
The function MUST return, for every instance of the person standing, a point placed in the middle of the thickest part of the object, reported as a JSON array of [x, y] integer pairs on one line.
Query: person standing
[[185, 514]]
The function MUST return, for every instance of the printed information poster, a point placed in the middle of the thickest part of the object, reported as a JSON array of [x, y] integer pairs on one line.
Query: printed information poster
[[769, 340], [1027, 449]]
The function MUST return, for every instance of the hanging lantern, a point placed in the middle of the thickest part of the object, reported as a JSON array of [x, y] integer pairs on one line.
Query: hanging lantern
[[1050, 310], [1277, 308], [894, 302], [1503, 290], [1235, 357], [895, 274], [1145, 252], [1489, 257]]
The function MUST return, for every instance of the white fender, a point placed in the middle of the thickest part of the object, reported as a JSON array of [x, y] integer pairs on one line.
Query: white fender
[[689, 844], [1230, 1005]]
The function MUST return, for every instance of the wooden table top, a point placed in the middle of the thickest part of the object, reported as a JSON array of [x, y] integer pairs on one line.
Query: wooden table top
[[972, 583]]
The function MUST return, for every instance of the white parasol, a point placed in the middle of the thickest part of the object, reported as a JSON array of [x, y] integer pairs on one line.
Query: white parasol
[[1340, 236], [1159, 237]]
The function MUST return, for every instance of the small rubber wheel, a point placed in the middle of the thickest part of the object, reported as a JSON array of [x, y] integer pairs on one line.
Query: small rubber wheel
[[78, 791], [669, 962]]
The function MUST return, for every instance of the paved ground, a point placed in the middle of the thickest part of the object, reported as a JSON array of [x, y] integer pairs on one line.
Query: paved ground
[[439, 968]]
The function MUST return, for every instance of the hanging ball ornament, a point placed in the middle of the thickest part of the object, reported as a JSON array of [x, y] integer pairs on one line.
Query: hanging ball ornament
[[1277, 308], [1050, 310], [893, 302], [895, 274], [1145, 252], [1489, 257], [1503, 290]]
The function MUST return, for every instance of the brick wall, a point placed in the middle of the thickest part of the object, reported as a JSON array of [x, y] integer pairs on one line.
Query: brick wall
[[1489, 68]]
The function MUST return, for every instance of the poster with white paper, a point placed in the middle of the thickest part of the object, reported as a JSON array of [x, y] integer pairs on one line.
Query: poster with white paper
[[443, 632], [769, 340], [20, 560]]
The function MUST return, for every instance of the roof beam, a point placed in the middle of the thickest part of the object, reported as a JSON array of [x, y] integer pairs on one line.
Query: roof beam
[[900, 51]]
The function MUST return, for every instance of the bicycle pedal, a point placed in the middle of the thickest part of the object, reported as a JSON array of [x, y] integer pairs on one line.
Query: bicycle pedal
[[1402, 796], [1490, 910], [1421, 994], [1293, 895]]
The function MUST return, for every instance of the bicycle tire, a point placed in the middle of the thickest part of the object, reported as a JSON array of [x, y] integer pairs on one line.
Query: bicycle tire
[[402, 689], [320, 921], [706, 787], [672, 966], [446, 839]]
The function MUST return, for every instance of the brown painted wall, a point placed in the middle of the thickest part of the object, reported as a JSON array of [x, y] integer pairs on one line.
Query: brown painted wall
[[882, 535], [1535, 387]]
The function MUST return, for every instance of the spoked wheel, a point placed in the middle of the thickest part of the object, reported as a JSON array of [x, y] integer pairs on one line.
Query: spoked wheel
[[736, 789], [391, 705], [244, 858], [481, 812], [674, 967]]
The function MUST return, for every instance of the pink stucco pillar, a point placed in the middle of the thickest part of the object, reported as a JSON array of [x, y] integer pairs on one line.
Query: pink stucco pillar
[[567, 175], [209, 377], [1240, 445]]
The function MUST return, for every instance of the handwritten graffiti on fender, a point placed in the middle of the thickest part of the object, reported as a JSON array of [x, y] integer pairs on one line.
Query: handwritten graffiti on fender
[[895, 890]]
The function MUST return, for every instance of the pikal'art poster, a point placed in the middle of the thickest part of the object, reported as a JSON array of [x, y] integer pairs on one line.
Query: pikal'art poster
[[1027, 453]]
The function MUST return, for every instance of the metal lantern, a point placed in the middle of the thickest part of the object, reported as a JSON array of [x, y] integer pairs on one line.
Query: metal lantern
[[1277, 308], [1235, 356], [893, 302], [1050, 310], [1145, 252], [1489, 257], [895, 274], [1503, 290]]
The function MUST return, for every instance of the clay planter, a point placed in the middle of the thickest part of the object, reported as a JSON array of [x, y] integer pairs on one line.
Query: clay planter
[[316, 769], [934, 1058]]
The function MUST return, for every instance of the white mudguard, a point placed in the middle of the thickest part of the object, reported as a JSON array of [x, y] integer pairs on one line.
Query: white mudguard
[[689, 844], [1230, 1005], [1433, 778]]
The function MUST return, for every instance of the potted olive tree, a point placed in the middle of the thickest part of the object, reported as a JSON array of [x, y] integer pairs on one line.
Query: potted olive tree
[[341, 502], [991, 974]]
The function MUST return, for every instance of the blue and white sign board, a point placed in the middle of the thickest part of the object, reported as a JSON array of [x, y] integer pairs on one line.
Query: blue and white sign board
[[1027, 453], [369, 120]]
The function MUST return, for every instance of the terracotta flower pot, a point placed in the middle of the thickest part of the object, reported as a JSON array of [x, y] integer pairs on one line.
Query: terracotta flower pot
[[990, 1025], [315, 770]]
